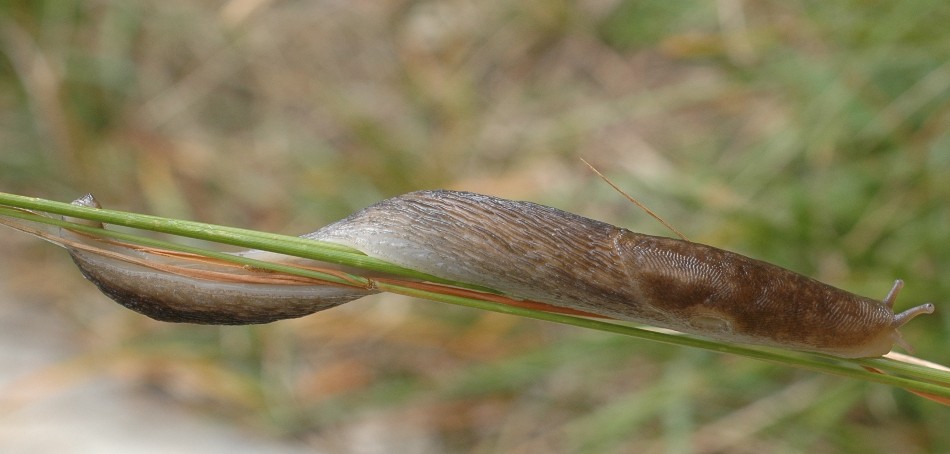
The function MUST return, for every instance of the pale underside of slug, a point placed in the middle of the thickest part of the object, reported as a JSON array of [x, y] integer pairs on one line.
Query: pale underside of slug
[[537, 253]]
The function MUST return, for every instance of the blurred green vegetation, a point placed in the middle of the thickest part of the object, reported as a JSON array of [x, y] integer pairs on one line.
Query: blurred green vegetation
[[815, 135]]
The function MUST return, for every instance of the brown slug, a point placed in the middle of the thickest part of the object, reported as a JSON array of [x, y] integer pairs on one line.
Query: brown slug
[[538, 253]]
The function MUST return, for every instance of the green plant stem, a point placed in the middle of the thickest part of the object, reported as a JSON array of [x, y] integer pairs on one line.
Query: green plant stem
[[912, 377]]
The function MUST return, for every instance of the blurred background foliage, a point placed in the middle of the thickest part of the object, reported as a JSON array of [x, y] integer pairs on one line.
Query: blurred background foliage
[[815, 135]]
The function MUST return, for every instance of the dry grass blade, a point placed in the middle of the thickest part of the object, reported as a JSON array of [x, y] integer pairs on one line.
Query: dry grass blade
[[295, 275]]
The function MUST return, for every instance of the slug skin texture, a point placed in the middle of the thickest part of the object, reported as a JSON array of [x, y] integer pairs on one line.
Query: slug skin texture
[[533, 252]]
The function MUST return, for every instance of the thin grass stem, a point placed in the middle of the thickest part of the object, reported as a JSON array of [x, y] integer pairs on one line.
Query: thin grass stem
[[913, 377]]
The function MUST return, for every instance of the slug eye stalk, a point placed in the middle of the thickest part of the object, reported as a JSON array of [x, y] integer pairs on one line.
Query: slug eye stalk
[[902, 318]]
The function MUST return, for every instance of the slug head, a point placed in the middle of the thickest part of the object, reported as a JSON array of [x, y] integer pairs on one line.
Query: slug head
[[882, 343]]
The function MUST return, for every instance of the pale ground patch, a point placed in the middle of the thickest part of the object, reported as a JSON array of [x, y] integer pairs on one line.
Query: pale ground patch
[[46, 407]]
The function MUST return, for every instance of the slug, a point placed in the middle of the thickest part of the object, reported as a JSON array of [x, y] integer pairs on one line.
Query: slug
[[529, 252]]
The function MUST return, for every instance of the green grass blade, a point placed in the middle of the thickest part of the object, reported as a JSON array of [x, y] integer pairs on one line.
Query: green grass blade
[[908, 376]]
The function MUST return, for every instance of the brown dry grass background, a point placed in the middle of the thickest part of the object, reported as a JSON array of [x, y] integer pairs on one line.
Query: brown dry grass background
[[808, 134]]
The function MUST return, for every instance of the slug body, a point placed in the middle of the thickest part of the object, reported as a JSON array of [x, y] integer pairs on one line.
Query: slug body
[[166, 287], [537, 253]]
